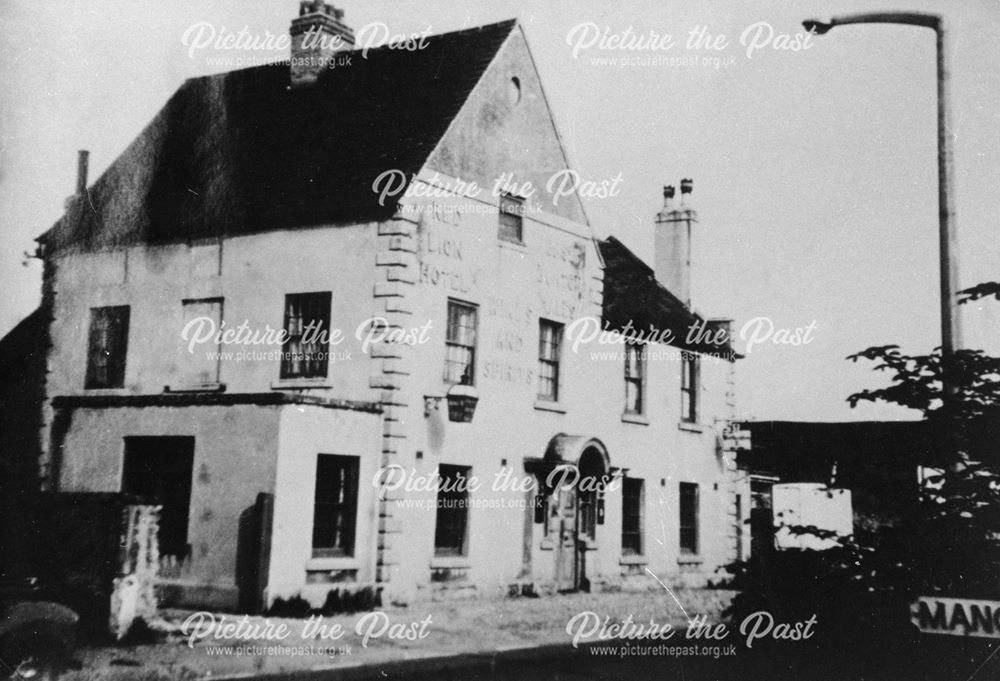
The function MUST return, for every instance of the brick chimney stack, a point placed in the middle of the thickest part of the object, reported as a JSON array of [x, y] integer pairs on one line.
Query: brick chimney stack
[[318, 33], [672, 242], [82, 161]]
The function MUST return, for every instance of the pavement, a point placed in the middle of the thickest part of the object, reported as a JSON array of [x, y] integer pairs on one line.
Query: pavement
[[524, 639], [424, 640]]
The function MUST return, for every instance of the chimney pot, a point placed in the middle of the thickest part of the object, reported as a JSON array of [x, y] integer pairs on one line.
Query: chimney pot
[[686, 185], [668, 197]]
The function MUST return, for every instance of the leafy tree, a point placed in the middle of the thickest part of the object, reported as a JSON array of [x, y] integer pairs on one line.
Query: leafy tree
[[947, 540], [951, 539], [990, 288]]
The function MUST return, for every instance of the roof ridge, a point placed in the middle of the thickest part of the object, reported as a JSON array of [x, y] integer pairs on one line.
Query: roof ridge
[[203, 165], [286, 61]]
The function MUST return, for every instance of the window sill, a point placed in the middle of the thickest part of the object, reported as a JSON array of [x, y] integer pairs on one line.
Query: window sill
[[690, 427], [332, 563], [107, 391], [547, 544], [518, 246], [301, 383], [548, 405], [690, 559], [633, 560], [450, 563], [637, 419], [195, 388]]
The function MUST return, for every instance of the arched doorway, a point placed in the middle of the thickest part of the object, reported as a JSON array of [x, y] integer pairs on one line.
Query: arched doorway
[[593, 468], [572, 475]]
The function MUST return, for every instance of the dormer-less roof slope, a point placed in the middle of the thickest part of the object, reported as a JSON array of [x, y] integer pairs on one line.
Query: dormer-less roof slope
[[633, 296], [241, 152]]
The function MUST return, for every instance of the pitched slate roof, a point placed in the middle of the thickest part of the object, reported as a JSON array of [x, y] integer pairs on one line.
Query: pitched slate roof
[[240, 152], [633, 296], [21, 350]]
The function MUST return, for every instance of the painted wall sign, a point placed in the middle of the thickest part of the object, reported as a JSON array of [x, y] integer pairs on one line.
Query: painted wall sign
[[443, 246], [508, 373], [518, 312], [457, 280], [556, 268], [443, 263], [561, 280], [445, 214], [558, 306], [956, 616]]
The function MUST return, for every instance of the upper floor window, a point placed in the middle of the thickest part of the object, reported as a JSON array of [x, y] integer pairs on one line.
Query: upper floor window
[[460, 343], [690, 370], [632, 520], [107, 347], [199, 365], [335, 505], [689, 517], [549, 350], [307, 322], [511, 218], [635, 373]]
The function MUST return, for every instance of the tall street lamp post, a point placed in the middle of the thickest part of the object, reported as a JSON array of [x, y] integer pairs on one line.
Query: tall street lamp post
[[950, 331]]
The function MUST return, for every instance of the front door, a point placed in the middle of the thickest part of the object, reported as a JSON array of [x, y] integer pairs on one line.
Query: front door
[[586, 534], [158, 470], [563, 517]]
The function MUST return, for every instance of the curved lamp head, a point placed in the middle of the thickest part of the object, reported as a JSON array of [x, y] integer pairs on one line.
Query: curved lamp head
[[816, 26]]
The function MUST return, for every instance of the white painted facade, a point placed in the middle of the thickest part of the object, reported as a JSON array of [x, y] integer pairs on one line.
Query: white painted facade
[[386, 405]]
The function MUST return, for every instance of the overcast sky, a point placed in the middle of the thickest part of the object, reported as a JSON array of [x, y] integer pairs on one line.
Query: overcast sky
[[814, 170]]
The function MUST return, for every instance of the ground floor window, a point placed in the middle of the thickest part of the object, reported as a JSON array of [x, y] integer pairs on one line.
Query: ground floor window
[[335, 507], [632, 505], [689, 517], [451, 529], [158, 470]]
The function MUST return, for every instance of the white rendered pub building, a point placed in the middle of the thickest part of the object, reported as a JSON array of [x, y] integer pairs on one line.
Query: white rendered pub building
[[184, 288]]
